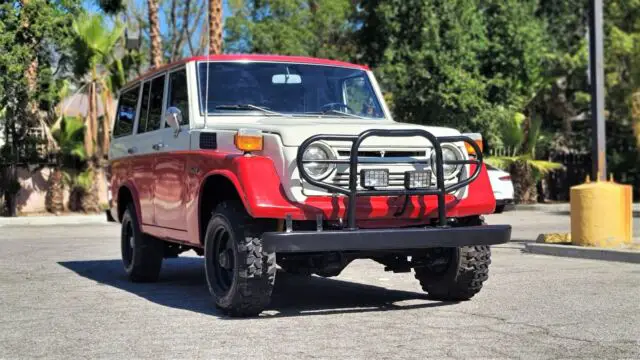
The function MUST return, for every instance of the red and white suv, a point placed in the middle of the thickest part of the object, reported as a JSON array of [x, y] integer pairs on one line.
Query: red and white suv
[[255, 160]]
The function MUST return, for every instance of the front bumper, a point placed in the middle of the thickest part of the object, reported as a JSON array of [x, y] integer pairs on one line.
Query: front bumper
[[385, 239]]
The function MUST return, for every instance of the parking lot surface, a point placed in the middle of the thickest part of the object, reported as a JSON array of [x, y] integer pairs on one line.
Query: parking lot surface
[[63, 294]]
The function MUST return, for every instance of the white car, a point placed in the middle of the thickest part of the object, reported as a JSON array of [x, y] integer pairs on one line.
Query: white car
[[502, 188]]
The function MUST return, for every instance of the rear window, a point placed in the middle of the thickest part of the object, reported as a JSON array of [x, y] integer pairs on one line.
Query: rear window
[[126, 114], [155, 104]]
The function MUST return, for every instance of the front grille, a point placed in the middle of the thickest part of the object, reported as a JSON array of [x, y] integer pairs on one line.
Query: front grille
[[396, 179], [383, 153]]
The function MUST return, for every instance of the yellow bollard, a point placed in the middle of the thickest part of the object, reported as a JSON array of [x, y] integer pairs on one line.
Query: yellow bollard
[[601, 214]]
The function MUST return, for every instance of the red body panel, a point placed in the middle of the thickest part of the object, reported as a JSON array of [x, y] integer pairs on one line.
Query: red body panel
[[259, 187], [170, 191]]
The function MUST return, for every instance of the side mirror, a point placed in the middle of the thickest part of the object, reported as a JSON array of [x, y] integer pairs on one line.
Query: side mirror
[[174, 119]]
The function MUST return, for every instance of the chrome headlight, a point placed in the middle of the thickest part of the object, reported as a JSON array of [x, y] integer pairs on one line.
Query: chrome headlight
[[318, 151], [449, 153]]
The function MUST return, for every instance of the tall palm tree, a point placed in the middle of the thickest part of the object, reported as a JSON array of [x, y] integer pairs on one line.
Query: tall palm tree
[[97, 70], [521, 136], [215, 27], [154, 33]]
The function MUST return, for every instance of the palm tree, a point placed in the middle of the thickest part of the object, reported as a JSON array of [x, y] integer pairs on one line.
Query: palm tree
[[215, 27], [98, 71], [521, 135], [69, 135], [154, 33]]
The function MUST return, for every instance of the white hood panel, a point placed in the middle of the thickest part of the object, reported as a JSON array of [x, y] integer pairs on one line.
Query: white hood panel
[[294, 131]]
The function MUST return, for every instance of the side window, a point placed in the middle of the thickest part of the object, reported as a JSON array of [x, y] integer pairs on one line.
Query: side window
[[178, 93], [126, 114], [155, 104], [144, 108], [358, 97]]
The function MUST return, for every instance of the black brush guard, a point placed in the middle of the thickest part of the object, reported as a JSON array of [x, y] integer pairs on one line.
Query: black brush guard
[[353, 239], [440, 189]]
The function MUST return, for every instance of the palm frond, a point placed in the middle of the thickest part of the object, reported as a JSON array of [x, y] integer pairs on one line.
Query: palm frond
[[543, 166], [533, 136], [501, 162], [84, 179]]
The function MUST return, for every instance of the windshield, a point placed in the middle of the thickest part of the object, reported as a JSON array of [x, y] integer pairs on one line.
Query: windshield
[[286, 89]]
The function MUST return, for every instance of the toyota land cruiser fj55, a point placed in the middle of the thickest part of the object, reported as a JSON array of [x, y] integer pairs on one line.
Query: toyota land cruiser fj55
[[255, 160]]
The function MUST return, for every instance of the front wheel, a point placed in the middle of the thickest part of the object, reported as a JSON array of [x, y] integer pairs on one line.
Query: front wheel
[[454, 274], [240, 275]]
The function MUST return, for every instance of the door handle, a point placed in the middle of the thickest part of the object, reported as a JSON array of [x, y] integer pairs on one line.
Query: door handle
[[158, 146], [132, 150]]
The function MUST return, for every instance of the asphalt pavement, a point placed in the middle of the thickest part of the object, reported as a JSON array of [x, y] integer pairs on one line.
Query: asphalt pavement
[[63, 294]]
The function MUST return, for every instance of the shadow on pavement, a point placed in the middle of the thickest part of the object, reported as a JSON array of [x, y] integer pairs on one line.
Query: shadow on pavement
[[182, 285]]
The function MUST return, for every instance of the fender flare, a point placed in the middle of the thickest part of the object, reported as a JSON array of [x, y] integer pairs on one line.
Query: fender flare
[[231, 177], [135, 197]]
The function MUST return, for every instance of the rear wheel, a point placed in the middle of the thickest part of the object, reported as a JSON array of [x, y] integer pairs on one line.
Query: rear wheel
[[240, 275], [141, 254], [499, 209]]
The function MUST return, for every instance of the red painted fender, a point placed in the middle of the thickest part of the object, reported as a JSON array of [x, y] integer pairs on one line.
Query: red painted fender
[[258, 184], [129, 185]]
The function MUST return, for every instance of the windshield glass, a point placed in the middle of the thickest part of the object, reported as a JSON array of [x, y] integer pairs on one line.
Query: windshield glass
[[286, 89]]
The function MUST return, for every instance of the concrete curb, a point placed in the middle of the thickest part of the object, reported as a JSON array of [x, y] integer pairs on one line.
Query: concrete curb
[[629, 256], [559, 207], [54, 220]]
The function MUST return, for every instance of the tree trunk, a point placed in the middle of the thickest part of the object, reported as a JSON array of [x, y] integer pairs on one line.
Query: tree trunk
[[54, 200], [90, 199], [89, 130], [524, 184], [106, 122], [154, 33], [93, 118], [215, 27]]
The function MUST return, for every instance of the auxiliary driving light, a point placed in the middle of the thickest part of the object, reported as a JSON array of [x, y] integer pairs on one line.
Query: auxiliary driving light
[[417, 179], [373, 178]]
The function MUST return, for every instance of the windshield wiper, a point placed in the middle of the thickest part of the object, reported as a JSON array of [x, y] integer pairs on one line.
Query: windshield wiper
[[248, 107], [338, 112]]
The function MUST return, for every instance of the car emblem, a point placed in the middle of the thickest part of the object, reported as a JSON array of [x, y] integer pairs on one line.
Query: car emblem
[[382, 153]]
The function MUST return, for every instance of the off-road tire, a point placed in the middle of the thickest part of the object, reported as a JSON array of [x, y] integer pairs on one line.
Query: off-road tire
[[467, 271], [142, 261], [254, 270]]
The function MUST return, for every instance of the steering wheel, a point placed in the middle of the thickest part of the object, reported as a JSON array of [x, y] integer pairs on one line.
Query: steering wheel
[[330, 106]]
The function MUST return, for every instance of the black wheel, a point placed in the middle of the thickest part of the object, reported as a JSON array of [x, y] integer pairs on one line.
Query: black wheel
[[141, 254], [240, 275], [454, 274], [499, 209]]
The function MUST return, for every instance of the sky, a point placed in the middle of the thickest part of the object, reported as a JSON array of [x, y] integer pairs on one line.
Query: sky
[[92, 6]]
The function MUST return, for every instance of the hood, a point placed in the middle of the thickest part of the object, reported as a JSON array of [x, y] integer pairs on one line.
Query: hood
[[294, 131]]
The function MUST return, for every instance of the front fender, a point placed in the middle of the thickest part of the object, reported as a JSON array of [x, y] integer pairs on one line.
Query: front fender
[[256, 182]]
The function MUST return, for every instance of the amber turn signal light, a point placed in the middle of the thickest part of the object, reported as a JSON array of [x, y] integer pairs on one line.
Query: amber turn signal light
[[249, 140], [477, 138]]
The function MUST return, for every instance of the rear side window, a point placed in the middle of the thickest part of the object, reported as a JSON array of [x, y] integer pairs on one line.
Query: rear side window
[[155, 104], [178, 96], [126, 114], [144, 108]]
